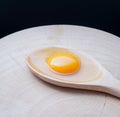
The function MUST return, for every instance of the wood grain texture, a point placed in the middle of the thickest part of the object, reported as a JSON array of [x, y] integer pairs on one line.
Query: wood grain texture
[[24, 95]]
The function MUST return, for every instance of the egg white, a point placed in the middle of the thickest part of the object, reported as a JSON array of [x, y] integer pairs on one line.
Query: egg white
[[90, 70]]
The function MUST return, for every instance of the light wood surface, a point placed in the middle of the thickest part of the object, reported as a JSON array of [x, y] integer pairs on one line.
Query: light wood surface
[[24, 95]]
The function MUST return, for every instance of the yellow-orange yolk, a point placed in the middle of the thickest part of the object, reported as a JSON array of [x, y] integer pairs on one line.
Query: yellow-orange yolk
[[64, 63]]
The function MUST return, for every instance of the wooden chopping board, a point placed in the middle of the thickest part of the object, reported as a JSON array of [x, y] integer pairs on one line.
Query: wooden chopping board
[[24, 95]]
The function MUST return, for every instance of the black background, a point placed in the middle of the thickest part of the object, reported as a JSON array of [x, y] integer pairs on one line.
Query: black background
[[16, 15]]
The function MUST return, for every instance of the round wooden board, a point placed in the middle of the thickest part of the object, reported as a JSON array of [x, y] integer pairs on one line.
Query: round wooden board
[[24, 95]]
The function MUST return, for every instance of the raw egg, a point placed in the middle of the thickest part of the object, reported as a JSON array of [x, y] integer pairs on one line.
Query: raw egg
[[64, 64]]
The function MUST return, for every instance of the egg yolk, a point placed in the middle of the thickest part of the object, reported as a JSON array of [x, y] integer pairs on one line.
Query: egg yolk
[[64, 63]]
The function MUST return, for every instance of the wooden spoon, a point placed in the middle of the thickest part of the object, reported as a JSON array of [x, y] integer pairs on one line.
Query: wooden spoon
[[106, 83]]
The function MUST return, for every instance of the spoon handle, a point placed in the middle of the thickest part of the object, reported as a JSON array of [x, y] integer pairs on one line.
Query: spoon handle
[[112, 87]]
